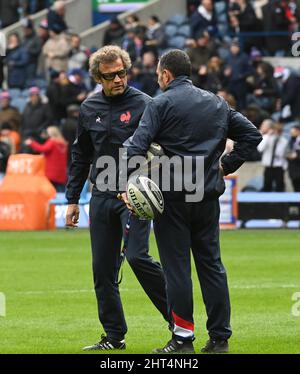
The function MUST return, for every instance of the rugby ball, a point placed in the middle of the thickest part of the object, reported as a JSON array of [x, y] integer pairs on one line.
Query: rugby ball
[[145, 197], [154, 150]]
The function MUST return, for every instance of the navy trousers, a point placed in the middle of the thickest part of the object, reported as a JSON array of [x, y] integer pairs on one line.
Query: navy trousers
[[108, 218], [184, 228]]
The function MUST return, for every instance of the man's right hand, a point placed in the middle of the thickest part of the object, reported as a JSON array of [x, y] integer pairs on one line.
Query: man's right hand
[[72, 216]]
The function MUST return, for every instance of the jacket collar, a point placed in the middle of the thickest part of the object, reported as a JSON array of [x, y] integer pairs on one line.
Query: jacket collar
[[179, 81], [115, 99]]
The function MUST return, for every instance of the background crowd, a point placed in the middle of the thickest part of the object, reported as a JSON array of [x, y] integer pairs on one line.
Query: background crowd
[[44, 75]]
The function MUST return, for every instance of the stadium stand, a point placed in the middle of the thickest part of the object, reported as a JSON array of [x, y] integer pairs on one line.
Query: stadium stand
[[245, 62]]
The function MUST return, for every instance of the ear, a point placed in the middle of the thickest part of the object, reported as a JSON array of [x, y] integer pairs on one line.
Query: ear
[[169, 76], [98, 80]]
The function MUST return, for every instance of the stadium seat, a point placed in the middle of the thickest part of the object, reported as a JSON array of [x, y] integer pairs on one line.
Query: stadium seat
[[184, 30], [25, 93], [41, 83], [60, 198], [19, 103], [14, 93], [178, 20], [170, 30], [177, 41]]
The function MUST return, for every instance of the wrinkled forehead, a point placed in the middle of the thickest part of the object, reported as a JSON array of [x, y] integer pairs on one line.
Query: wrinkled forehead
[[111, 67]]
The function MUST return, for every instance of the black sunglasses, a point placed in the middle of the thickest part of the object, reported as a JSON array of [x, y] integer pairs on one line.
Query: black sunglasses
[[111, 76]]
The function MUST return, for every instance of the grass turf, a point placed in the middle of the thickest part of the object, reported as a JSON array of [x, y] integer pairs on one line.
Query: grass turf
[[51, 308]]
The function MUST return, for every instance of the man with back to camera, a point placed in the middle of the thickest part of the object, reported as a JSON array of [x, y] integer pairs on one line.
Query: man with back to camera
[[106, 120], [187, 121]]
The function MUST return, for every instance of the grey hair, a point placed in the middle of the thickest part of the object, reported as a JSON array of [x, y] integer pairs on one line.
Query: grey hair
[[59, 4]]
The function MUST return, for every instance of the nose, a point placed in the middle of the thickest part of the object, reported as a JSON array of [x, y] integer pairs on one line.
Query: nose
[[117, 79]]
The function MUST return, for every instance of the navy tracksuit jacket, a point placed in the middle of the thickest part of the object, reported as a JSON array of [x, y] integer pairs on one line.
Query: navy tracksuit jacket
[[188, 121], [104, 124]]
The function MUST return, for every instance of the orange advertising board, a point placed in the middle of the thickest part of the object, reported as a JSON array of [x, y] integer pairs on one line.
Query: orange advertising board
[[25, 194]]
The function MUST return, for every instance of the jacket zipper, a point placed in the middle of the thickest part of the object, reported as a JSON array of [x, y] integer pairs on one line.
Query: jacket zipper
[[109, 127]]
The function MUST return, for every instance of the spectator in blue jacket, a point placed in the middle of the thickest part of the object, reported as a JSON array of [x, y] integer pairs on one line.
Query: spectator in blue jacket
[[56, 17], [16, 60], [237, 70], [204, 18], [33, 46]]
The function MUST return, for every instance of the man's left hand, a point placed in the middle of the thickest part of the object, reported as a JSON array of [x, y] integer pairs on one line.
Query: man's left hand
[[123, 197]]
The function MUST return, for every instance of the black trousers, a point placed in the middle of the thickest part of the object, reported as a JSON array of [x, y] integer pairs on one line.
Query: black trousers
[[273, 179], [108, 218], [296, 184], [183, 228]]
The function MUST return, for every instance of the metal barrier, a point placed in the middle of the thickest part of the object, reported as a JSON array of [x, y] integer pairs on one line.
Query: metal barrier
[[78, 17], [94, 36]]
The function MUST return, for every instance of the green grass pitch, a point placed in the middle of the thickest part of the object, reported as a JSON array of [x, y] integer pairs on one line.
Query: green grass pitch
[[51, 308]]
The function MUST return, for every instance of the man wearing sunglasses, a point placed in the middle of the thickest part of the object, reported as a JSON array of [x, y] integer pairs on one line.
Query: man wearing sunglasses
[[106, 120]]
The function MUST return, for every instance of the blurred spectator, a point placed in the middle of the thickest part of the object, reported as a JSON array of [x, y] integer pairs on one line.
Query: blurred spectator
[[62, 93], [293, 157], [114, 34], [56, 155], [8, 113], [148, 77], [34, 6], [132, 21], [12, 137], [290, 95], [228, 97], [257, 5], [77, 54], [256, 115], [265, 90], [56, 17], [200, 53], [43, 34], [276, 20], [273, 148], [204, 18], [128, 43], [265, 126], [5, 151], [134, 43], [211, 75], [256, 57], [155, 34], [43, 31], [143, 74], [36, 116], [237, 70], [16, 61], [56, 51], [33, 46], [53, 93], [69, 127], [1, 71], [242, 19], [75, 77], [135, 74], [192, 6], [8, 12]]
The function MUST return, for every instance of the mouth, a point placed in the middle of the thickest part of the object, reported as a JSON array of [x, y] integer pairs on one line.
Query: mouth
[[118, 87]]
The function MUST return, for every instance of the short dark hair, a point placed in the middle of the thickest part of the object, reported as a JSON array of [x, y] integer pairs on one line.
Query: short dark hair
[[155, 18], [177, 62]]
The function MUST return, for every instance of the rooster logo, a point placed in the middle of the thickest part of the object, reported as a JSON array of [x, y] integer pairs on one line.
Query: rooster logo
[[125, 117]]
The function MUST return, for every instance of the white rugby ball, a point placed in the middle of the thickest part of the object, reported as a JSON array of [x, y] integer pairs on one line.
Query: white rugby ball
[[145, 197]]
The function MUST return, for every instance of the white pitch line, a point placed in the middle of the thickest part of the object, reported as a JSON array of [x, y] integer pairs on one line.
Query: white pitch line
[[242, 287], [65, 291], [264, 286]]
